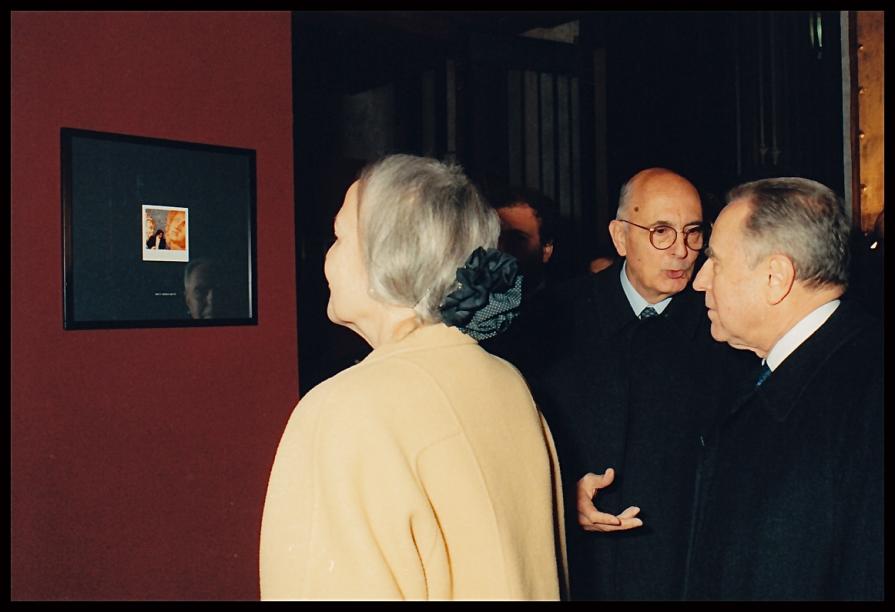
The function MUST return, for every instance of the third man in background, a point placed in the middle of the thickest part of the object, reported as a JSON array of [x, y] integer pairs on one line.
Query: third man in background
[[528, 222]]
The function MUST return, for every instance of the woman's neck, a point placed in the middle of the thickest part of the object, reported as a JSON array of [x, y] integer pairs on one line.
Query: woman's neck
[[391, 324]]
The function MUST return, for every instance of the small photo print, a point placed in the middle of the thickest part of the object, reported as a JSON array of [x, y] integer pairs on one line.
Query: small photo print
[[166, 233]]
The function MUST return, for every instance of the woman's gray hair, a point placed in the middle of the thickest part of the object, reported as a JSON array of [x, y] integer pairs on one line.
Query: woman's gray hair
[[419, 220], [801, 218]]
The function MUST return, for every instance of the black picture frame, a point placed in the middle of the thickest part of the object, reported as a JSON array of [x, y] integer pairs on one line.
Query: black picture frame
[[117, 191]]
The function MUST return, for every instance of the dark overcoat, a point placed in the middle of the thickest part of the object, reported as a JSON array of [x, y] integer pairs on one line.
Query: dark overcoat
[[791, 493], [632, 395]]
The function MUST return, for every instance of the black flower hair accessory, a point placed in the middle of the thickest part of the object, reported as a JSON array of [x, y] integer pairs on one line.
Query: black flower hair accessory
[[488, 294]]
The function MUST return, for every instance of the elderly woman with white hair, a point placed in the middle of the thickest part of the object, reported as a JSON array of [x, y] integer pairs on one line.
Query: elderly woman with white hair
[[425, 471]]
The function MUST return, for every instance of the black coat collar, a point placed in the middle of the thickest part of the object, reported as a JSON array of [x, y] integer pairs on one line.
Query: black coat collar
[[607, 289], [686, 309], [786, 385]]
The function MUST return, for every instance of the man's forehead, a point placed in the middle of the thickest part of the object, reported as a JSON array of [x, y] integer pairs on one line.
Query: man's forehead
[[730, 217], [723, 233], [668, 211], [656, 205], [520, 216], [520, 210]]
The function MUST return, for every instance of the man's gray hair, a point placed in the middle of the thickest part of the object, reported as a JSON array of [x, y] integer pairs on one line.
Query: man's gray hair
[[624, 198], [419, 220], [804, 220]]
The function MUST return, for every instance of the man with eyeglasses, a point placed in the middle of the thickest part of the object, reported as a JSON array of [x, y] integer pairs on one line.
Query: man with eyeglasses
[[654, 206], [628, 394]]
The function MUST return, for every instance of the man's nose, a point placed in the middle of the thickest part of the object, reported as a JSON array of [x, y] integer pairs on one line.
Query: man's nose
[[699, 282], [679, 248]]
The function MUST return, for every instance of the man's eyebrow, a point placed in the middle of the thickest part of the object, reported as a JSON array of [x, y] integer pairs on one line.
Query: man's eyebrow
[[709, 252], [670, 224]]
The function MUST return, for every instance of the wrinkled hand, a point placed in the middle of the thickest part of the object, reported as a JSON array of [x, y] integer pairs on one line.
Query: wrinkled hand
[[592, 519]]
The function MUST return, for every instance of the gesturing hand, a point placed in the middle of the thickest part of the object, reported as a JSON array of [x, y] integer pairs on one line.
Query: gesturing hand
[[590, 518]]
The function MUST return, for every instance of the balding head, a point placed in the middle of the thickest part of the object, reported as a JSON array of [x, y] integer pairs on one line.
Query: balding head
[[651, 182], [652, 198]]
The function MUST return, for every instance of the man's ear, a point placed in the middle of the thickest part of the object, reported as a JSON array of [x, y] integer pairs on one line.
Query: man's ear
[[781, 276], [617, 232], [547, 252]]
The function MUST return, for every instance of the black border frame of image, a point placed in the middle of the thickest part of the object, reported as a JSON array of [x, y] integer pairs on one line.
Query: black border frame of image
[[106, 177]]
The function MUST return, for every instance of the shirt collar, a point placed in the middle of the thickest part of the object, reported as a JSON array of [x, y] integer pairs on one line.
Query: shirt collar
[[635, 299], [800, 332]]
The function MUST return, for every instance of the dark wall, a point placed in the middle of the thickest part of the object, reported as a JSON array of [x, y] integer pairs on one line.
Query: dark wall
[[722, 97], [670, 83], [140, 457]]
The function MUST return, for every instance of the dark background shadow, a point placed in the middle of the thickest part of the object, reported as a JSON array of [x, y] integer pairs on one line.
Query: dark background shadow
[[572, 103]]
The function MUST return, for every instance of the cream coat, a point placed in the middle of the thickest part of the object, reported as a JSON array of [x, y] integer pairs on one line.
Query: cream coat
[[423, 472]]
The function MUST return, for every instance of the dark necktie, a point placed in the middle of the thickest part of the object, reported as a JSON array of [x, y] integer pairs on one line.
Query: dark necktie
[[762, 375], [648, 312]]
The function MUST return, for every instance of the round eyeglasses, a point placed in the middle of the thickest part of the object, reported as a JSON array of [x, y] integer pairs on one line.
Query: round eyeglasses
[[664, 236]]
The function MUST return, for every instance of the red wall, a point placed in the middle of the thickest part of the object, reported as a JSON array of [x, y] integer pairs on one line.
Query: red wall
[[117, 494]]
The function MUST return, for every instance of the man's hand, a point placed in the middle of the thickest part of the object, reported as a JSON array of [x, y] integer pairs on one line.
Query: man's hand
[[592, 519]]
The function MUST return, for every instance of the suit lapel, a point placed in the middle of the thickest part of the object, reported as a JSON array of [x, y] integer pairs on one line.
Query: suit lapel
[[783, 389], [610, 304]]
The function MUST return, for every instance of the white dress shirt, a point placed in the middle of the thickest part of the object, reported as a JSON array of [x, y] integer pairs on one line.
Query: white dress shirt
[[635, 299], [800, 332]]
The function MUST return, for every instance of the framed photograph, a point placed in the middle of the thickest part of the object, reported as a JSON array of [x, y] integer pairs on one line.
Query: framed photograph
[[156, 233]]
